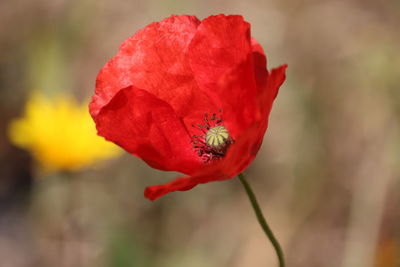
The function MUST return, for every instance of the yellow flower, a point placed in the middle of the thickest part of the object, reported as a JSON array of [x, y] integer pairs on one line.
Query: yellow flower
[[60, 134]]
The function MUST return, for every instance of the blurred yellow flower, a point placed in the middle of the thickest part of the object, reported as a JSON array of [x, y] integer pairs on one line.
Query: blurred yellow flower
[[60, 134]]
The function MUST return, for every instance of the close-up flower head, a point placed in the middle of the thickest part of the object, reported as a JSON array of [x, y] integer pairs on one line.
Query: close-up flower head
[[188, 95], [273, 124]]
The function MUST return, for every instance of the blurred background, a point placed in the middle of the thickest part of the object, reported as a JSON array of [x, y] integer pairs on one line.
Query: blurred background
[[327, 176]]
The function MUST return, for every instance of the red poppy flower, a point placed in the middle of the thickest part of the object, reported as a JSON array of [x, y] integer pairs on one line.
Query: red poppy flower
[[189, 96]]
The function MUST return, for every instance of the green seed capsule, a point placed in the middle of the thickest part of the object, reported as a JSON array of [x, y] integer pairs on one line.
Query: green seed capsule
[[217, 136]]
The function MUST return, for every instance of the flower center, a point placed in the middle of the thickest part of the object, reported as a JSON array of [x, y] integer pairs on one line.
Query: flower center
[[216, 136], [214, 141]]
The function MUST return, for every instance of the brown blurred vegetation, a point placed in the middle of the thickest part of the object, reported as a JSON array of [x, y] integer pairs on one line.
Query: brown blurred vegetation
[[327, 175]]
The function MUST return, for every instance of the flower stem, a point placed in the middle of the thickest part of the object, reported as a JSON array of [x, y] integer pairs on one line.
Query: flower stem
[[262, 221]]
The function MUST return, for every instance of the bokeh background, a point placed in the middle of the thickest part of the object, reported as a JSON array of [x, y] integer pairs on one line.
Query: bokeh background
[[327, 176]]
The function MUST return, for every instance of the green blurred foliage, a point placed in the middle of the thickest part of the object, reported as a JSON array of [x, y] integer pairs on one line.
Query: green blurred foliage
[[125, 252]]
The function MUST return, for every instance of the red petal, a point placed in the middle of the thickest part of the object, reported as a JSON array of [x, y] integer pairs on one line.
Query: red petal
[[155, 59], [222, 61], [236, 161], [259, 58], [266, 98], [240, 154], [260, 65], [275, 79], [148, 127]]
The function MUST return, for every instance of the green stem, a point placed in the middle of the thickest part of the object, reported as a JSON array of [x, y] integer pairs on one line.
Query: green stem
[[262, 221]]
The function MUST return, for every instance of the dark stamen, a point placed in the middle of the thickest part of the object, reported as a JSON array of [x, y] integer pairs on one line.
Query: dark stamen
[[205, 151]]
